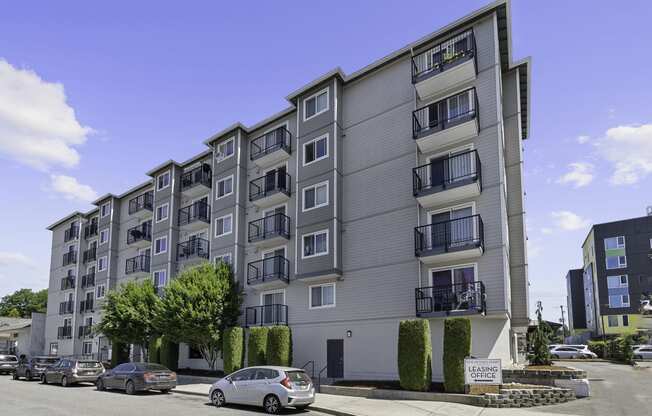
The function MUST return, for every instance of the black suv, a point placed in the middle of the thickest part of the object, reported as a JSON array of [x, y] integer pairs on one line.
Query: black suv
[[33, 368]]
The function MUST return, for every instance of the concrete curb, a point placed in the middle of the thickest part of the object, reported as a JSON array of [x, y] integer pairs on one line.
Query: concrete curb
[[189, 393], [330, 411]]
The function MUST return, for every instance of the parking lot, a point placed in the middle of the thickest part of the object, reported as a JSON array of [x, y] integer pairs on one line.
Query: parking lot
[[23, 398]]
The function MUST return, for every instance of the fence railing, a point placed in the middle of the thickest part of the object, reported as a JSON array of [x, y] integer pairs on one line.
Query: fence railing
[[444, 55], [275, 314], [276, 139], [268, 269], [137, 264], [270, 226], [198, 211], [201, 175], [452, 235], [271, 183], [142, 232], [458, 297], [444, 114], [141, 202], [194, 247], [447, 172]]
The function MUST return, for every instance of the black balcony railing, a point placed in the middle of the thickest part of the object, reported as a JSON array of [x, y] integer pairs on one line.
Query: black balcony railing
[[441, 115], [64, 332], [271, 226], [88, 280], [275, 314], [452, 298], [198, 211], [278, 139], [448, 236], [90, 254], [141, 202], [269, 269], [71, 233], [68, 282], [85, 331], [90, 230], [69, 258], [66, 308], [142, 232], [272, 183], [137, 264], [193, 248], [443, 56], [201, 175], [448, 172], [86, 305]]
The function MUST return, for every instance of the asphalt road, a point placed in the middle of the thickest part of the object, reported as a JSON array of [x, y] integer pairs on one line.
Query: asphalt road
[[23, 398]]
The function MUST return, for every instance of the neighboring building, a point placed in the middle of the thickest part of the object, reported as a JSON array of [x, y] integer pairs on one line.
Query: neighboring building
[[391, 193], [22, 336], [575, 299]]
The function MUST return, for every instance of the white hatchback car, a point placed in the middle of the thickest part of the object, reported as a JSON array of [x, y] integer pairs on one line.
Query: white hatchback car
[[643, 352], [575, 351], [271, 387]]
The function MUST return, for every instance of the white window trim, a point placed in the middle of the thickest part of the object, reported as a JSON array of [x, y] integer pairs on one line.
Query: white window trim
[[322, 306], [221, 218], [451, 268], [303, 242], [103, 292], [222, 180], [617, 246], [622, 302], [314, 186], [104, 214], [156, 212], [620, 283], [225, 142], [104, 262], [272, 292], [154, 277], [221, 257], [328, 103], [273, 249], [316, 139], [100, 236], [167, 172], [165, 237], [620, 266]]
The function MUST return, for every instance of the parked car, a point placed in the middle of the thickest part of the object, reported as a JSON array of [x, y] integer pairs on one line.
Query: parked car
[[577, 346], [8, 363], [567, 351], [643, 352], [70, 371], [134, 377], [33, 368], [273, 388]]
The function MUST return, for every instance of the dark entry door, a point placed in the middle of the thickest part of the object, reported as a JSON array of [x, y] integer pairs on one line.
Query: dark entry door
[[335, 358]]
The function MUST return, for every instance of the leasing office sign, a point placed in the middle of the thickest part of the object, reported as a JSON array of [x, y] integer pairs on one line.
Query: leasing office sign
[[482, 371]]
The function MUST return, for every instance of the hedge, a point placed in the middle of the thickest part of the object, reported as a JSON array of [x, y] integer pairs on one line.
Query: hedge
[[154, 351], [169, 354], [457, 347], [414, 355], [599, 348], [279, 346], [257, 346], [119, 353], [233, 349]]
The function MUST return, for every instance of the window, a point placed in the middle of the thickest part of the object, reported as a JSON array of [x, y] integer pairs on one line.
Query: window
[[315, 150], [624, 299], [226, 258], [612, 320], [104, 236], [87, 348], [614, 282], [315, 196], [54, 348], [100, 291], [322, 296], [223, 225], [315, 244], [616, 262], [105, 210], [160, 278], [614, 242], [625, 320], [101, 264], [163, 181], [224, 187], [618, 301], [225, 149], [162, 212], [160, 245], [315, 104]]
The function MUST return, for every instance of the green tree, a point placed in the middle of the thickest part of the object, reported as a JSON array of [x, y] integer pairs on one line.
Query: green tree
[[539, 340], [23, 302], [198, 306], [129, 313]]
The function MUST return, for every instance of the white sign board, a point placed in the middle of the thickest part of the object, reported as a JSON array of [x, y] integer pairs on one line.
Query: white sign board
[[482, 371]]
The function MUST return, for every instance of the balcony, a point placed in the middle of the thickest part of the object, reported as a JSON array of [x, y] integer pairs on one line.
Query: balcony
[[71, 233], [450, 300], [140, 235], [270, 230], [138, 264], [88, 280], [86, 306], [90, 230], [142, 205], [269, 273], [90, 254], [64, 332], [194, 248], [68, 282], [275, 314], [271, 148], [452, 240], [446, 122], [445, 66], [448, 179], [197, 180], [85, 331], [194, 216], [270, 189], [69, 258], [66, 308]]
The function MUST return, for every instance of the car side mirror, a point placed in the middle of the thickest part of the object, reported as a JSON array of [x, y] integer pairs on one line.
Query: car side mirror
[[229, 380]]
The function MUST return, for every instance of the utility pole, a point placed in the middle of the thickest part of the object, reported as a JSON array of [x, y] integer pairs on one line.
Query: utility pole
[[563, 320]]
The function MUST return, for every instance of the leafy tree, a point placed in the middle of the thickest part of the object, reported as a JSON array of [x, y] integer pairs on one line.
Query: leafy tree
[[129, 314], [23, 302], [198, 306], [540, 351]]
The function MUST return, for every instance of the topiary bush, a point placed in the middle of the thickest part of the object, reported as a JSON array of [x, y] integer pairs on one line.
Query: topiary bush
[[279, 346], [257, 346], [154, 351], [457, 347], [169, 354], [598, 347], [233, 348], [414, 355], [119, 353]]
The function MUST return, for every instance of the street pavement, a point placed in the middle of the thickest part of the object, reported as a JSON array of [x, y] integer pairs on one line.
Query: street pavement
[[31, 398]]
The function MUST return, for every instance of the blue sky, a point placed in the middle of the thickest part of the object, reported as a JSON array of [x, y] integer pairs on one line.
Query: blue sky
[[142, 82]]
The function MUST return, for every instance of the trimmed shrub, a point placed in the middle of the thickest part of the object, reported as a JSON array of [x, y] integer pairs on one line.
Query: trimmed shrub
[[233, 348], [457, 347], [279, 346], [169, 354], [257, 346], [414, 355], [154, 351], [598, 347], [119, 353], [620, 349]]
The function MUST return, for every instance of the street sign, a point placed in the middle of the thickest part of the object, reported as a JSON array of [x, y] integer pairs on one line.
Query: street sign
[[482, 371]]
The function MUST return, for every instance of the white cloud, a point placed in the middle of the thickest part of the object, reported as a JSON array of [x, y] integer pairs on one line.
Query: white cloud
[[629, 150], [70, 188], [37, 126], [546, 231], [581, 174], [583, 139], [11, 258], [569, 221], [533, 249]]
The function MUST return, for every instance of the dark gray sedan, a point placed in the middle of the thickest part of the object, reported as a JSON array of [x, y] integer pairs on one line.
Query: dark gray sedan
[[69, 371], [133, 377], [8, 363], [33, 368]]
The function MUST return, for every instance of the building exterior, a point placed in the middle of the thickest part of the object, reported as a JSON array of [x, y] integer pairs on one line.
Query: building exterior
[[391, 193], [575, 299], [22, 336]]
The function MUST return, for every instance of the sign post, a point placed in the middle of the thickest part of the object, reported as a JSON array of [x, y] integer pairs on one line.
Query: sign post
[[482, 375]]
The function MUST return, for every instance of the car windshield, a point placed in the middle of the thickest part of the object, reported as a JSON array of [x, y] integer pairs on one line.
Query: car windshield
[[151, 367], [298, 377], [45, 361], [88, 364], [8, 358]]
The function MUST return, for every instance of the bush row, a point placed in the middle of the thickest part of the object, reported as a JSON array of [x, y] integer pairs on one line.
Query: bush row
[[265, 346]]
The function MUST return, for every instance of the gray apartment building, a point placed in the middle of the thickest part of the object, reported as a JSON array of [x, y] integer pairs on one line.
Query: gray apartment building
[[391, 193]]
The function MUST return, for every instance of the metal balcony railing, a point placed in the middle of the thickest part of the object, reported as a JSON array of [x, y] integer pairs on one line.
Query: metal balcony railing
[[193, 248], [441, 115], [68, 282], [64, 332], [201, 175], [90, 230], [452, 235], [198, 211], [137, 264], [278, 139], [141, 202], [90, 254], [142, 232], [66, 308], [275, 314], [458, 298], [71, 233], [88, 280], [443, 56], [69, 258], [85, 331], [441, 174], [86, 305], [268, 227], [269, 269], [269, 184]]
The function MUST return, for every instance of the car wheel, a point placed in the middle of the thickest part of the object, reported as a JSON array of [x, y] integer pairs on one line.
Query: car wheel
[[28, 376], [272, 405], [43, 379], [64, 381], [15, 375], [99, 384], [555, 356], [165, 391], [217, 398], [130, 388]]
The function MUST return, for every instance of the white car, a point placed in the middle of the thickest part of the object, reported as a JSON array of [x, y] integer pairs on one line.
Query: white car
[[643, 352], [568, 351], [273, 388]]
